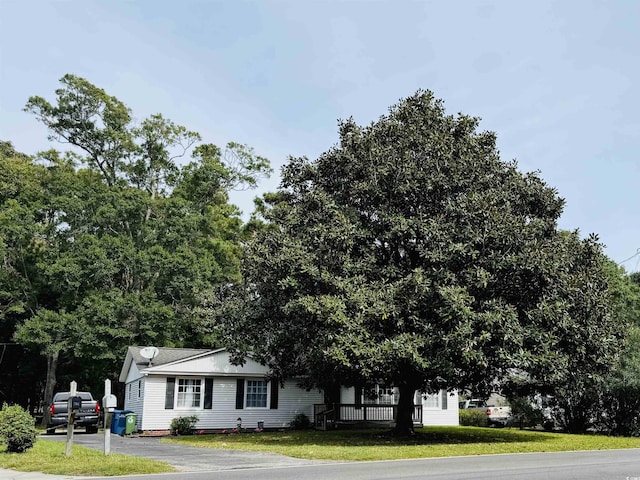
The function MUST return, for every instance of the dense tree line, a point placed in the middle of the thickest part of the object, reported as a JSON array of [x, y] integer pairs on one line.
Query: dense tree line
[[116, 241]]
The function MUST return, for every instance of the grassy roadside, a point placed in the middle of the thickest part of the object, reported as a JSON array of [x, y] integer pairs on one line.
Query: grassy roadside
[[429, 442], [49, 457]]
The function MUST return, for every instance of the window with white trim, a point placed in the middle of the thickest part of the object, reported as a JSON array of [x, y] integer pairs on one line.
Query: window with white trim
[[189, 393], [381, 395], [256, 394], [431, 400]]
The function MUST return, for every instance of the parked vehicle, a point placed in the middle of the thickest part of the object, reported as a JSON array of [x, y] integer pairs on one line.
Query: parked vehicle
[[496, 415], [87, 416]]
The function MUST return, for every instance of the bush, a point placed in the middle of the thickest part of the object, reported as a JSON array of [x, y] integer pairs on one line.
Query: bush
[[17, 428], [300, 422], [183, 425], [473, 418], [525, 412]]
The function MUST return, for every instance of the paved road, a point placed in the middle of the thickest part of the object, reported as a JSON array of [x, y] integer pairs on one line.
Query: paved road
[[601, 465]]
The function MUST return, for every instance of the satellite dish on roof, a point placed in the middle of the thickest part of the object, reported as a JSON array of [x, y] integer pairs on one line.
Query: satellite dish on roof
[[149, 353]]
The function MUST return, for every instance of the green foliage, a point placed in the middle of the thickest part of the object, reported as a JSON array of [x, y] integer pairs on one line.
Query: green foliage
[[472, 418], [617, 411], [87, 117], [602, 394], [525, 412], [116, 244], [300, 422], [183, 425], [624, 291], [411, 255], [17, 428]]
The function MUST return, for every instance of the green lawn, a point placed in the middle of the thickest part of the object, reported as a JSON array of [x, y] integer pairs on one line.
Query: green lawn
[[49, 457], [348, 445]]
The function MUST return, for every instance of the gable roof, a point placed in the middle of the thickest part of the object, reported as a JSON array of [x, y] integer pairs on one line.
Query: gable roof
[[165, 355]]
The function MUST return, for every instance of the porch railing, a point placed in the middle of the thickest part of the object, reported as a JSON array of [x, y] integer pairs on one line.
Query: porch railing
[[328, 415]]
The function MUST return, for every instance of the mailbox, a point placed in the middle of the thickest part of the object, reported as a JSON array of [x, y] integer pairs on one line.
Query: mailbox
[[109, 402], [76, 403]]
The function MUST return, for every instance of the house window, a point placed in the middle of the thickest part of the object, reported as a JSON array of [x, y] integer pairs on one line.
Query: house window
[[256, 394], [431, 400], [189, 393], [381, 395], [139, 388], [130, 387]]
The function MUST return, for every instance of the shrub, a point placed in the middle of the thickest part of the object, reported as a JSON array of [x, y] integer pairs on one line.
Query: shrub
[[526, 413], [183, 425], [473, 418], [17, 428], [300, 422]]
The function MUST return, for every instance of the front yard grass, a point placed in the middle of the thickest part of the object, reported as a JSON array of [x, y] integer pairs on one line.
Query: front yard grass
[[49, 457], [345, 445], [352, 445]]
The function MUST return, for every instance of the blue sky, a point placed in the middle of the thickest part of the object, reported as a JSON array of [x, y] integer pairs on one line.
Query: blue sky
[[558, 81]]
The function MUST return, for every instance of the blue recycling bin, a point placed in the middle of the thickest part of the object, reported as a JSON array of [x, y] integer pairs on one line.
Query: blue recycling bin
[[118, 421]]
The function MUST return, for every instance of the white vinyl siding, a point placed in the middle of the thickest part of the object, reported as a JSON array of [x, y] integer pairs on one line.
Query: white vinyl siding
[[292, 400], [440, 416], [135, 402], [212, 364]]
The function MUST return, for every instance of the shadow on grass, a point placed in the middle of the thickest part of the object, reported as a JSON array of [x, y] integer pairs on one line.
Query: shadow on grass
[[361, 438]]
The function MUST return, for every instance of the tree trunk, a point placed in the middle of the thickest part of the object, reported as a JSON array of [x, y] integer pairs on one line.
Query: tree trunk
[[404, 420], [50, 384]]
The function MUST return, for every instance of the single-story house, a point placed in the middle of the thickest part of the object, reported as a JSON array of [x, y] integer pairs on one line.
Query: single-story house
[[181, 382]]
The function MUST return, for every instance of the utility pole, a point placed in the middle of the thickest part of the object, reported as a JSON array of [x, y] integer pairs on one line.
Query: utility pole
[[71, 415], [108, 404]]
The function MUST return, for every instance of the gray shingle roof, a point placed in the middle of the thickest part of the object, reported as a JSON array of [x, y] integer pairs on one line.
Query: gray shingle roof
[[165, 355]]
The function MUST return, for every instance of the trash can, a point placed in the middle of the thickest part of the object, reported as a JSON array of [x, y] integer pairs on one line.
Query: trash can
[[118, 419], [130, 423]]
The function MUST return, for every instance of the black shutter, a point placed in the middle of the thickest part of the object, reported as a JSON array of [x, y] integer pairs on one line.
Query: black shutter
[[169, 393], [445, 400], [240, 394], [358, 397], [208, 393], [275, 387]]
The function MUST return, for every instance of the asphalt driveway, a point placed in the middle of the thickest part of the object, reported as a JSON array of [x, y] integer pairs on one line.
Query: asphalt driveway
[[184, 458]]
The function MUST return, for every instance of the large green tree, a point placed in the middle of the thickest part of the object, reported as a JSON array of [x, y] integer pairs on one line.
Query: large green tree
[[410, 254], [21, 228], [594, 389], [125, 240], [616, 410]]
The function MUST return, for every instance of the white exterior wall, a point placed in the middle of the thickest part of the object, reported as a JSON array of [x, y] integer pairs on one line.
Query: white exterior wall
[[291, 401], [436, 416], [134, 393], [134, 396], [133, 373], [212, 364]]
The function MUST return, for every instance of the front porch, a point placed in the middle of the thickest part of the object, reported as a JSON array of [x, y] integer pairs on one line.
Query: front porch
[[327, 416]]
